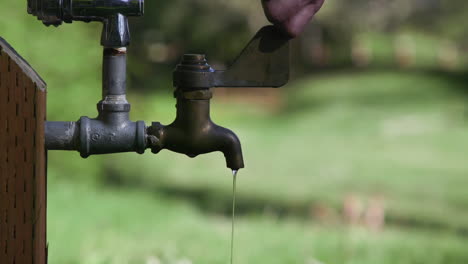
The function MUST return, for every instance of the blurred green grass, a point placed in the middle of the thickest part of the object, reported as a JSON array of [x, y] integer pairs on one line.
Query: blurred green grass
[[396, 135], [400, 136], [100, 226]]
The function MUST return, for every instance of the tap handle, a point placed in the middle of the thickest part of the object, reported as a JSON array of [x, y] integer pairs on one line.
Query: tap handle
[[264, 62]]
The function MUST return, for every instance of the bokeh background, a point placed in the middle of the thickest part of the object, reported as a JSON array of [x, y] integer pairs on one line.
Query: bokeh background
[[360, 159]]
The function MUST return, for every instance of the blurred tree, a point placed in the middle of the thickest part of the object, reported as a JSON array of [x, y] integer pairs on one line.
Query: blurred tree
[[341, 22], [221, 28]]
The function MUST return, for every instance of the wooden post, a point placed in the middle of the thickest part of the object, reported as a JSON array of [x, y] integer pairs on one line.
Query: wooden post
[[22, 161]]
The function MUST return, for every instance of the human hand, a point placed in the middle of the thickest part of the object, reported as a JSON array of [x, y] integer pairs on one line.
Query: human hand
[[292, 16]]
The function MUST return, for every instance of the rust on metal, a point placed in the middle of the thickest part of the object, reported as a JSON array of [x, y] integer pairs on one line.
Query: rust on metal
[[115, 51], [22, 161]]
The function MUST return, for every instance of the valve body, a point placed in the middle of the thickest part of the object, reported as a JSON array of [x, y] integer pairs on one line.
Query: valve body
[[55, 12]]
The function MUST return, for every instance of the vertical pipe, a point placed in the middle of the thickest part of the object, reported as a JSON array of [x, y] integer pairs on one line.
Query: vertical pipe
[[114, 72]]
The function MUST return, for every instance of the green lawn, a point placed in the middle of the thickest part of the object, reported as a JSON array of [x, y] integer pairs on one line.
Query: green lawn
[[100, 226], [401, 137]]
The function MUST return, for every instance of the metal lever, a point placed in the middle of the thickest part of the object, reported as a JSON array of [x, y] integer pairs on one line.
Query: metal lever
[[263, 63]]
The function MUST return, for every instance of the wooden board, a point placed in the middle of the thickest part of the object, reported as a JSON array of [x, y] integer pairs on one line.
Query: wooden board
[[22, 161]]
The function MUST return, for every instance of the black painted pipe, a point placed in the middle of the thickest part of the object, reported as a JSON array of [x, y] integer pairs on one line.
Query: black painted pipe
[[112, 13], [112, 131], [61, 135]]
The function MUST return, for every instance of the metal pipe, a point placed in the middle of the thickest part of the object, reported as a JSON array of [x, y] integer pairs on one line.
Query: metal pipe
[[57, 11], [61, 135], [99, 137], [95, 9], [114, 71], [112, 131]]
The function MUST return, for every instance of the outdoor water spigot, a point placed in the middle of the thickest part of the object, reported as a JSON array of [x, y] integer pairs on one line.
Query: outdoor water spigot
[[193, 133], [263, 63], [113, 13]]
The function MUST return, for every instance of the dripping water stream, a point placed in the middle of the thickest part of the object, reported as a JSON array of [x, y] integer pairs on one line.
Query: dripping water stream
[[234, 183]]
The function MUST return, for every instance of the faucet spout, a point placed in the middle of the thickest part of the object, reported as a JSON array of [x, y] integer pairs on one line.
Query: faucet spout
[[229, 144], [193, 132]]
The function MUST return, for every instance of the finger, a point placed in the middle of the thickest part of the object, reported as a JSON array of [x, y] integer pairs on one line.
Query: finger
[[282, 10], [296, 24], [291, 15]]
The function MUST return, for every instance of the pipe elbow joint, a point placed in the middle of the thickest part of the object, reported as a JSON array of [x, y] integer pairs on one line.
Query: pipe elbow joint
[[94, 136], [99, 137], [231, 147], [193, 143]]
